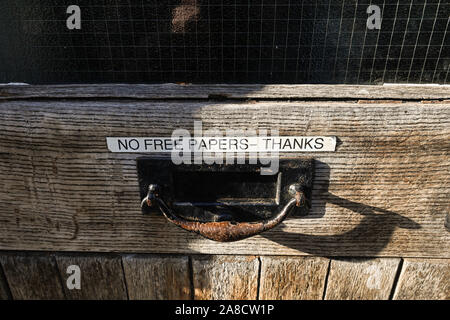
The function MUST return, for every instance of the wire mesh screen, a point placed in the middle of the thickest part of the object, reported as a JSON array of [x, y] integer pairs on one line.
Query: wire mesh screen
[[225, 41]]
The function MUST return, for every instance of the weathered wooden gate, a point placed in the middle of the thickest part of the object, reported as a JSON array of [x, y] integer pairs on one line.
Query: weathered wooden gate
[[378, 227]]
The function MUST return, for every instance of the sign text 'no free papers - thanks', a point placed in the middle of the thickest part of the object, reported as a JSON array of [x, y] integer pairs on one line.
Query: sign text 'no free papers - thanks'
[[222, 144]]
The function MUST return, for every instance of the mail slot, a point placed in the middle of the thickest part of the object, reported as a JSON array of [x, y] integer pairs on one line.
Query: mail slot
[[225, 202], [246, 188]]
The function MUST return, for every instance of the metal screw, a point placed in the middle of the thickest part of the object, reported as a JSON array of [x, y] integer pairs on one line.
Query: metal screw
[[295, 190], [152, 189], [152, 193]]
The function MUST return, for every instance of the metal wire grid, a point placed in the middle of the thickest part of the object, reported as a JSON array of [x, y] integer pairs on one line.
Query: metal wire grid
[[226, 41]]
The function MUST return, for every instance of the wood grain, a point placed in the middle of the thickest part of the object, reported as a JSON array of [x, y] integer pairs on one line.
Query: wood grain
[[101, 277], [151, 277], [43, 276], [384, 192], [225, 277], [424, 279], [230, 91], [5, 293], [32, 277], [292, 278], [361, 280]]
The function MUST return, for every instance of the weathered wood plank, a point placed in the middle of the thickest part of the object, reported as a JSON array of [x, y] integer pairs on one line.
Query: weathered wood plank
[[382, 193], [101, 277], [424, 279], [361, 280], [5, 293], [225, 277], [230, 91], [292, 278], [151, 277], [32, 277]]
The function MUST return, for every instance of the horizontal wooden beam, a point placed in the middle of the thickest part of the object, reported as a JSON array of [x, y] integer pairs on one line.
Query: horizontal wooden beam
[[226, 91], [384, 192]]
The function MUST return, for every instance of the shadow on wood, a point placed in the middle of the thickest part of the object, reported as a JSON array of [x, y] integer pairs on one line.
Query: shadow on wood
[[371, 235]]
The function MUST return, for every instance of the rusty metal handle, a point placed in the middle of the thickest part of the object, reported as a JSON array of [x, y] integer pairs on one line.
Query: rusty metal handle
[[223, 231]]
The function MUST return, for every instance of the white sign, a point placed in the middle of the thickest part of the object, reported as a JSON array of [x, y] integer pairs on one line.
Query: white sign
[[222, 144]]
